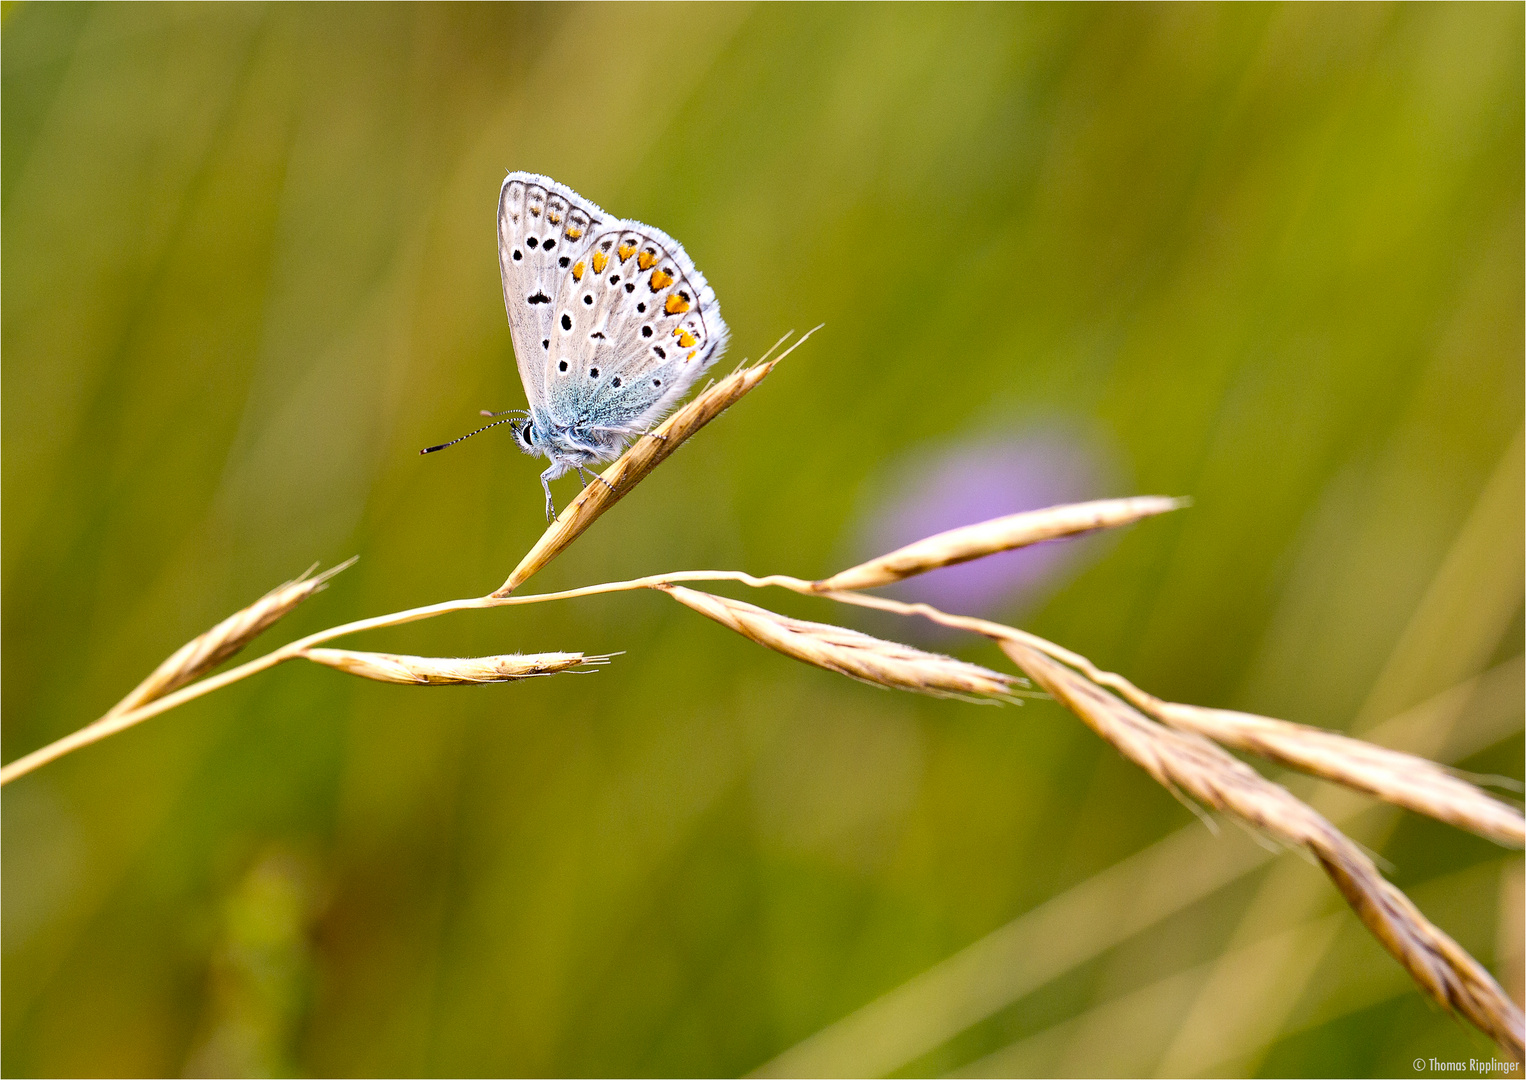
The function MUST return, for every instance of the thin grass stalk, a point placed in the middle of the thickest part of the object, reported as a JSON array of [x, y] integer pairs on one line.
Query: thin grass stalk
[[1454, 801], [1195, 765]]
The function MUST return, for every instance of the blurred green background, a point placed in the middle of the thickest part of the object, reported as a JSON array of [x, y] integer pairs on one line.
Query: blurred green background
[[1269, 257]]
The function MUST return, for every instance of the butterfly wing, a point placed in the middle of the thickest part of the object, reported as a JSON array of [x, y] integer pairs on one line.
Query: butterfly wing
[[543, 229], [634, 325]]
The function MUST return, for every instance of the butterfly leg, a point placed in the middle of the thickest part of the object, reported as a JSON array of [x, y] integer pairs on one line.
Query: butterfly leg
[[584, 474], [545, 482]]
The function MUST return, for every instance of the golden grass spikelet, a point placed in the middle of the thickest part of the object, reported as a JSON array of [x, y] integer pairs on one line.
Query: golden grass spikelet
[[450, 670], [998, 534], [1192, 764], [848, 652], [1392, 775], [203, 653], [645, 454]]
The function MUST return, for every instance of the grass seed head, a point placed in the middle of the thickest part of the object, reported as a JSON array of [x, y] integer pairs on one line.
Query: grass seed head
[[201, 654], [848, 652], [448, 671], [998, 534]]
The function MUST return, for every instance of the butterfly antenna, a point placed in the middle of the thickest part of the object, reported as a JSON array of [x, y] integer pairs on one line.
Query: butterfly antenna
[[463, 438]]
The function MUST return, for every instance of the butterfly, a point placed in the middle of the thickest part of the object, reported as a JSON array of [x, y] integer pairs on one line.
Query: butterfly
[[610, 320]]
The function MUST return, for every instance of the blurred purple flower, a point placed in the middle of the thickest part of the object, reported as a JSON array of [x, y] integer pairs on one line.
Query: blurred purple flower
[[974, 481]]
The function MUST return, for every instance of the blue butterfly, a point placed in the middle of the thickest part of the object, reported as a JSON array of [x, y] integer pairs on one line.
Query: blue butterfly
[[611, 324]]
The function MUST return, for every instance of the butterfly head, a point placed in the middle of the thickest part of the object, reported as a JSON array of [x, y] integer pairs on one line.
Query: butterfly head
[[527, 438]]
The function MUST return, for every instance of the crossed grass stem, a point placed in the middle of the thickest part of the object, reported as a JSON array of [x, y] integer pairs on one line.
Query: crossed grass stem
[[1177, 744]]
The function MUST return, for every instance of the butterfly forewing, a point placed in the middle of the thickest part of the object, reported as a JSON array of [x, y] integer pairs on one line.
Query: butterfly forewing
[[543, 228]]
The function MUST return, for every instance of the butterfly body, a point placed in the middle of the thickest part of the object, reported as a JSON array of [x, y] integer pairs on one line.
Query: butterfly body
[[610, 320]]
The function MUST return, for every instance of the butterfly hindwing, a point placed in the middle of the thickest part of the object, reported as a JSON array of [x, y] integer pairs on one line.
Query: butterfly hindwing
[[635, 324]]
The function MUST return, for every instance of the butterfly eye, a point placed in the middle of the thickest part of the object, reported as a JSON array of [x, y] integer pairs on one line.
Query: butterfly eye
[[527, 433]]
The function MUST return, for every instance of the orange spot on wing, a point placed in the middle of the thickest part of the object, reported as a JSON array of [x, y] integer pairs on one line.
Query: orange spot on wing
[[685, 338], [645, 260], [676, 305], [600, 261], [573, 232], [660, 280], [626, 251], [554, 218], [577, 271]]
